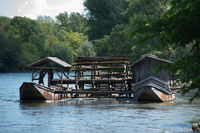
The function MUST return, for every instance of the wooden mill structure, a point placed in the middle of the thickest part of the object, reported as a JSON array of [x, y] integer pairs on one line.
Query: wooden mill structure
[[99, 77], [104, 75], [103, 72]]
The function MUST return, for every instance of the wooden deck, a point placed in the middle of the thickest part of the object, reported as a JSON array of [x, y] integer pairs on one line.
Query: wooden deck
[[90, 81], [96, 93], [106, 92]]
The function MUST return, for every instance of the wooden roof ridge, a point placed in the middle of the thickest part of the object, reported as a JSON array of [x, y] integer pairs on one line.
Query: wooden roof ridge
[[152, 57], [101, 59], [50, 59]]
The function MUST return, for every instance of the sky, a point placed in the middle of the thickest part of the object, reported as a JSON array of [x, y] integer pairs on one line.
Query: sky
[[35, 8]]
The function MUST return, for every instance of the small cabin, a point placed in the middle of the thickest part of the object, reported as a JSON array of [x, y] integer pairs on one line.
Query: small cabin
[[152, 78], [50, 66], [153, 71], [150, 65]]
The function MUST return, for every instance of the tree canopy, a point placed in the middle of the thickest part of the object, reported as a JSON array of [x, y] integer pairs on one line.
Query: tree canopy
[[167, 28], [103, 15]]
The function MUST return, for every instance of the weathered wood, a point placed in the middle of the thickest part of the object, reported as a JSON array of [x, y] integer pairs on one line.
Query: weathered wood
[[149, 84], [101, 59], [90, 81], [109, 73], [46, 60], [146, 67], [101, 63], [50, 77]]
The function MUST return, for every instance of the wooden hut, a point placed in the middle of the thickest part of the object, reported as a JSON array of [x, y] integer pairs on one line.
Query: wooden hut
[[152, 79], [50, 66], [38, 91]]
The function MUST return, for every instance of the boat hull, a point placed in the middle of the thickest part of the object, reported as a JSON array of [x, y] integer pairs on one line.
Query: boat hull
[[149, 93], [33, 91]]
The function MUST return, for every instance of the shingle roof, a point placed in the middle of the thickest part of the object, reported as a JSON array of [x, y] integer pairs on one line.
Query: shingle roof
[[152, 57], [49, 59]]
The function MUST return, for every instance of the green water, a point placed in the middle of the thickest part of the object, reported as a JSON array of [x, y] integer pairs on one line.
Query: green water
[[90, 115]]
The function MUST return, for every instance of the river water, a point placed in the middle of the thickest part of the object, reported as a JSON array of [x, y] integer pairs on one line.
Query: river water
[[90, 115]]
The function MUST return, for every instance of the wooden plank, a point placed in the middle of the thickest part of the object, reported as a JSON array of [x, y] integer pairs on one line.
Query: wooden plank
[[101, 59], [49, 59], [88, 75], [102, 92], [99, 63], [91, 81]]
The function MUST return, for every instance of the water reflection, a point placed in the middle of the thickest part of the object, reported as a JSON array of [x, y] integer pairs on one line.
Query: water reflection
[[88, 101], [95, 114], [97, 104]]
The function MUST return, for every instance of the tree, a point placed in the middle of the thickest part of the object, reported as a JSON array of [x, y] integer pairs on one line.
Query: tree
[[74, 40], [9, 55], [4, 22], [141, 13], [74, 22], [86, 49], [63, 20], [29, 53], [180, 28], [103, 15], [45, 19], [116, 44], [29, 31], [50, 30], [77, 23], [62, 52]]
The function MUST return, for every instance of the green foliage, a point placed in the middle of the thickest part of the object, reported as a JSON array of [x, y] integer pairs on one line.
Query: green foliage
[[27, 28], [181, 27], [74, 41], [116, 44], [86, 49], [103, 15], [142, 13], [176, 32], [77, 23], [4, 22], [29, 31], [74, 22], [29, 54], [62, 20], [167, 28], [24, 41], [62, 52], [9, 56], [49, 28], [43, 19]]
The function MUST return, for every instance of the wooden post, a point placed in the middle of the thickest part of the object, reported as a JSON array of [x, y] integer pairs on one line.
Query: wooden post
[[50, 77], [32, 75], [61, 76], [68, 78], [129, 89], [169, 79]]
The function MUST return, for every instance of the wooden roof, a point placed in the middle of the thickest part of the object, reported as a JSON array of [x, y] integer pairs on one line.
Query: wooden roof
[[101, 59], [46, 60], [151, 57]]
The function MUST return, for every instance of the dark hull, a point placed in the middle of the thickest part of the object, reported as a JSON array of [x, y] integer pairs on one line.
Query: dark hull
[[153, 94], [33, 91]]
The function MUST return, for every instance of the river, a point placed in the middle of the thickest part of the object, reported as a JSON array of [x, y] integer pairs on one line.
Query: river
[[90, 115]]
